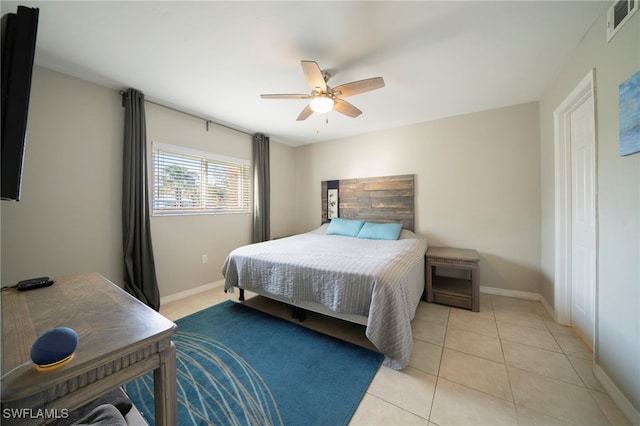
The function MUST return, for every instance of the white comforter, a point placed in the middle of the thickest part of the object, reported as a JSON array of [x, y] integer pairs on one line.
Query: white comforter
[[348, 275]]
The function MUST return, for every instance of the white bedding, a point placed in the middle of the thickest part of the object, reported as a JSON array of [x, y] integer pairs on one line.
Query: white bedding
[[378, 279]]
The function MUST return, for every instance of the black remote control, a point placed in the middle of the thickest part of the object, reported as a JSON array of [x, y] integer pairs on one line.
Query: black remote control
[[34, 283]]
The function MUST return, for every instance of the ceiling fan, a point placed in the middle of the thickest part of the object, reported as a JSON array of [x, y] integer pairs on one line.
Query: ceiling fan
[[324, 98]]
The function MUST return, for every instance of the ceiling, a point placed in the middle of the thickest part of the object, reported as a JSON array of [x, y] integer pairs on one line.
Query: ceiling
[[214, 59]]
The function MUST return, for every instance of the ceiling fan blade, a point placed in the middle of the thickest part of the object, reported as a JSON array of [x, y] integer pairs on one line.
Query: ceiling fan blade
[[306, 112], [275, 96], [360, 86], [314, 77], [346, 108]]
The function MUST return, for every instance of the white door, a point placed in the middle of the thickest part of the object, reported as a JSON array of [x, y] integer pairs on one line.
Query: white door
[[583, 220]]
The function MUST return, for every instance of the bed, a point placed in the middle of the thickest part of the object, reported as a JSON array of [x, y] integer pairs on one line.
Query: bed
[[374, 282]]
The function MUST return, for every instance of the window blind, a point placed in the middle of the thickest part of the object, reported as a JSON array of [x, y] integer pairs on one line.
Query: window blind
[[187, 181]]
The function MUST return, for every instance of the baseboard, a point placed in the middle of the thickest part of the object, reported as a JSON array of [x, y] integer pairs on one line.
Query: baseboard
[[618, 397], [510, 293], [190, 292], [549, 309]]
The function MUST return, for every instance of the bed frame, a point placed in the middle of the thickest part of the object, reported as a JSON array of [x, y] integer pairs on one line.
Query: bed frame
[[300, 308], [374, 199]]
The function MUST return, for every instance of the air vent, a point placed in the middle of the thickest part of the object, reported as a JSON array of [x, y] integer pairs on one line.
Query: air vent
[[618, 15]]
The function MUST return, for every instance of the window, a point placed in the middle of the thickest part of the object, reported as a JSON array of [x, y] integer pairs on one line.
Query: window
[[187, 181]]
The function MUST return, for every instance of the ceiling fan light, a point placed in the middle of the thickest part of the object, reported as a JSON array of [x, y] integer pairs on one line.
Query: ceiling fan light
[[321, 104]]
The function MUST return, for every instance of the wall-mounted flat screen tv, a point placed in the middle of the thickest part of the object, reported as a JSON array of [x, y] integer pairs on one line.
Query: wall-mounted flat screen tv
[[19, 32]]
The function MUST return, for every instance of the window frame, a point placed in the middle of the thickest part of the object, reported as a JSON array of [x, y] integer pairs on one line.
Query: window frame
[[205, 158]]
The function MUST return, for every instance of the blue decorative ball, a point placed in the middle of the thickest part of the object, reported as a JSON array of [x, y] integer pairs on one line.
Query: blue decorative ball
[[54, 346]]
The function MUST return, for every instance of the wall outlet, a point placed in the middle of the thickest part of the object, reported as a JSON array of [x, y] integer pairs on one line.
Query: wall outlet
[[205, 259]]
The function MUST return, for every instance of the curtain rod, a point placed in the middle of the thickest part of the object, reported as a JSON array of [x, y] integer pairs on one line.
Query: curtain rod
[[206, 120]]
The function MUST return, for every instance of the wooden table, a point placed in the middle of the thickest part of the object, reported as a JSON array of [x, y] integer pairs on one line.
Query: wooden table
[[120, 338], [460, 292]]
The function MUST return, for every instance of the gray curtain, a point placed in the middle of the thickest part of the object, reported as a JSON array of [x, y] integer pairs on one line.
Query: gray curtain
[[261, 190], [140, 271]]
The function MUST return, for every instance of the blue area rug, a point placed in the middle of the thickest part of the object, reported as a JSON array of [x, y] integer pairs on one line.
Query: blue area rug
[[240, 366]]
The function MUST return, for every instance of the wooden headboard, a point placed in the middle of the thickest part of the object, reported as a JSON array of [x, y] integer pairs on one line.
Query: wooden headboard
[[374, 199]]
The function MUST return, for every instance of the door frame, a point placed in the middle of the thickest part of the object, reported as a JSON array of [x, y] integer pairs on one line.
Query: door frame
[[562, 143]]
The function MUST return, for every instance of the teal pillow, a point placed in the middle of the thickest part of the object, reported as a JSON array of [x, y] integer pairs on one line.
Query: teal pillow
[[380, 231], [345, 227]]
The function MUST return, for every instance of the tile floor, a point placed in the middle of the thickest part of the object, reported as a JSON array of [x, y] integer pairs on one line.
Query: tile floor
[[508, 364]]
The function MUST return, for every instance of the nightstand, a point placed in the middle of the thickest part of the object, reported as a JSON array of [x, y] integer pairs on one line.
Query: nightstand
[[459, 292]]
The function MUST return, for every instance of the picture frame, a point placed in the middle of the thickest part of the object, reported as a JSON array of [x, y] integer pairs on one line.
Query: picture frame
[[629, 113]]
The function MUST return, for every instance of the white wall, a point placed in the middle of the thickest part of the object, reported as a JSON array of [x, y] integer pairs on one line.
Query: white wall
[[477, 184], [68, 220], [283, 183], [618, 192], [180, 241]]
